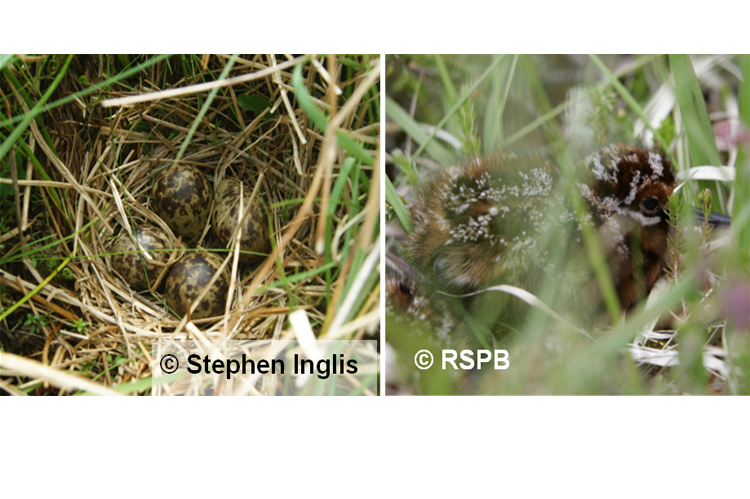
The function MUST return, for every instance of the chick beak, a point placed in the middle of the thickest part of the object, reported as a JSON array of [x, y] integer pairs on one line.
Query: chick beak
[[716, 219]]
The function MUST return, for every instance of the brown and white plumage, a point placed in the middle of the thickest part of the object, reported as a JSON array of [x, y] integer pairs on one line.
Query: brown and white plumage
[[508, 219]]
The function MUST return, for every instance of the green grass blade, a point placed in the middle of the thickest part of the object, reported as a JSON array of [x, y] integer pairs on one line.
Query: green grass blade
[[742, 180], [28, 117], [392, 197], [703, 150], [34, 291], [629, 99], [320, 120], [556, 142], [498, 133], [745, 90], [458, 105], [540, 121], [5, 59], [40, 170], [335, 200], [93, 88], [30, 103], [298, 277], [413, 130], [450, 91], [204, 109]]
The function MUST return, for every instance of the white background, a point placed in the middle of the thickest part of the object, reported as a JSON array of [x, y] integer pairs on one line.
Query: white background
[[386, 447]]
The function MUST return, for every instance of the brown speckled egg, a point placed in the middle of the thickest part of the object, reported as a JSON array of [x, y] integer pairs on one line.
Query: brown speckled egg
[[188, 277], [129, 265], [182, 197], [225, 216]]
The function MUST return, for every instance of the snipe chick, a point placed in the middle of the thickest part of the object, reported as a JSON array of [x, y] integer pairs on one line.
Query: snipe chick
[[508, 219]]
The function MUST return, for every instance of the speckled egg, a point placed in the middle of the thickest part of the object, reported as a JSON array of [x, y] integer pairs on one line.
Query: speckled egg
[[225, 217], [188, 277], [182, 197], [129, 265]]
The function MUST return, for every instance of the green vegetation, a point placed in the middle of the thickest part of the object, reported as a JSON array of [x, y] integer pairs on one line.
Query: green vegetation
[[447, 108]]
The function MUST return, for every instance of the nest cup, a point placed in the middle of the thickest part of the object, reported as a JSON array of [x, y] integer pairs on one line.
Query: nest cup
[[219, 169], [181, 205]]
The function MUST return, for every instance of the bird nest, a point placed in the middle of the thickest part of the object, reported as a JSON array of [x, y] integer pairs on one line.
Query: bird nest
[[74, 313]]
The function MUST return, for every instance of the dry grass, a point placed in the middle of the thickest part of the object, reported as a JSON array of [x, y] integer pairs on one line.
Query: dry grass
[[84, 321]]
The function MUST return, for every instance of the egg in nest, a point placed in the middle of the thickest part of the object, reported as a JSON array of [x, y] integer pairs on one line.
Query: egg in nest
[[182, 197], [131, 265], [225, 217], [187, 279]]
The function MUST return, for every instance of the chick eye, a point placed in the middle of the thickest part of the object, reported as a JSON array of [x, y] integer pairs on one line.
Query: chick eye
[[650, 205]]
